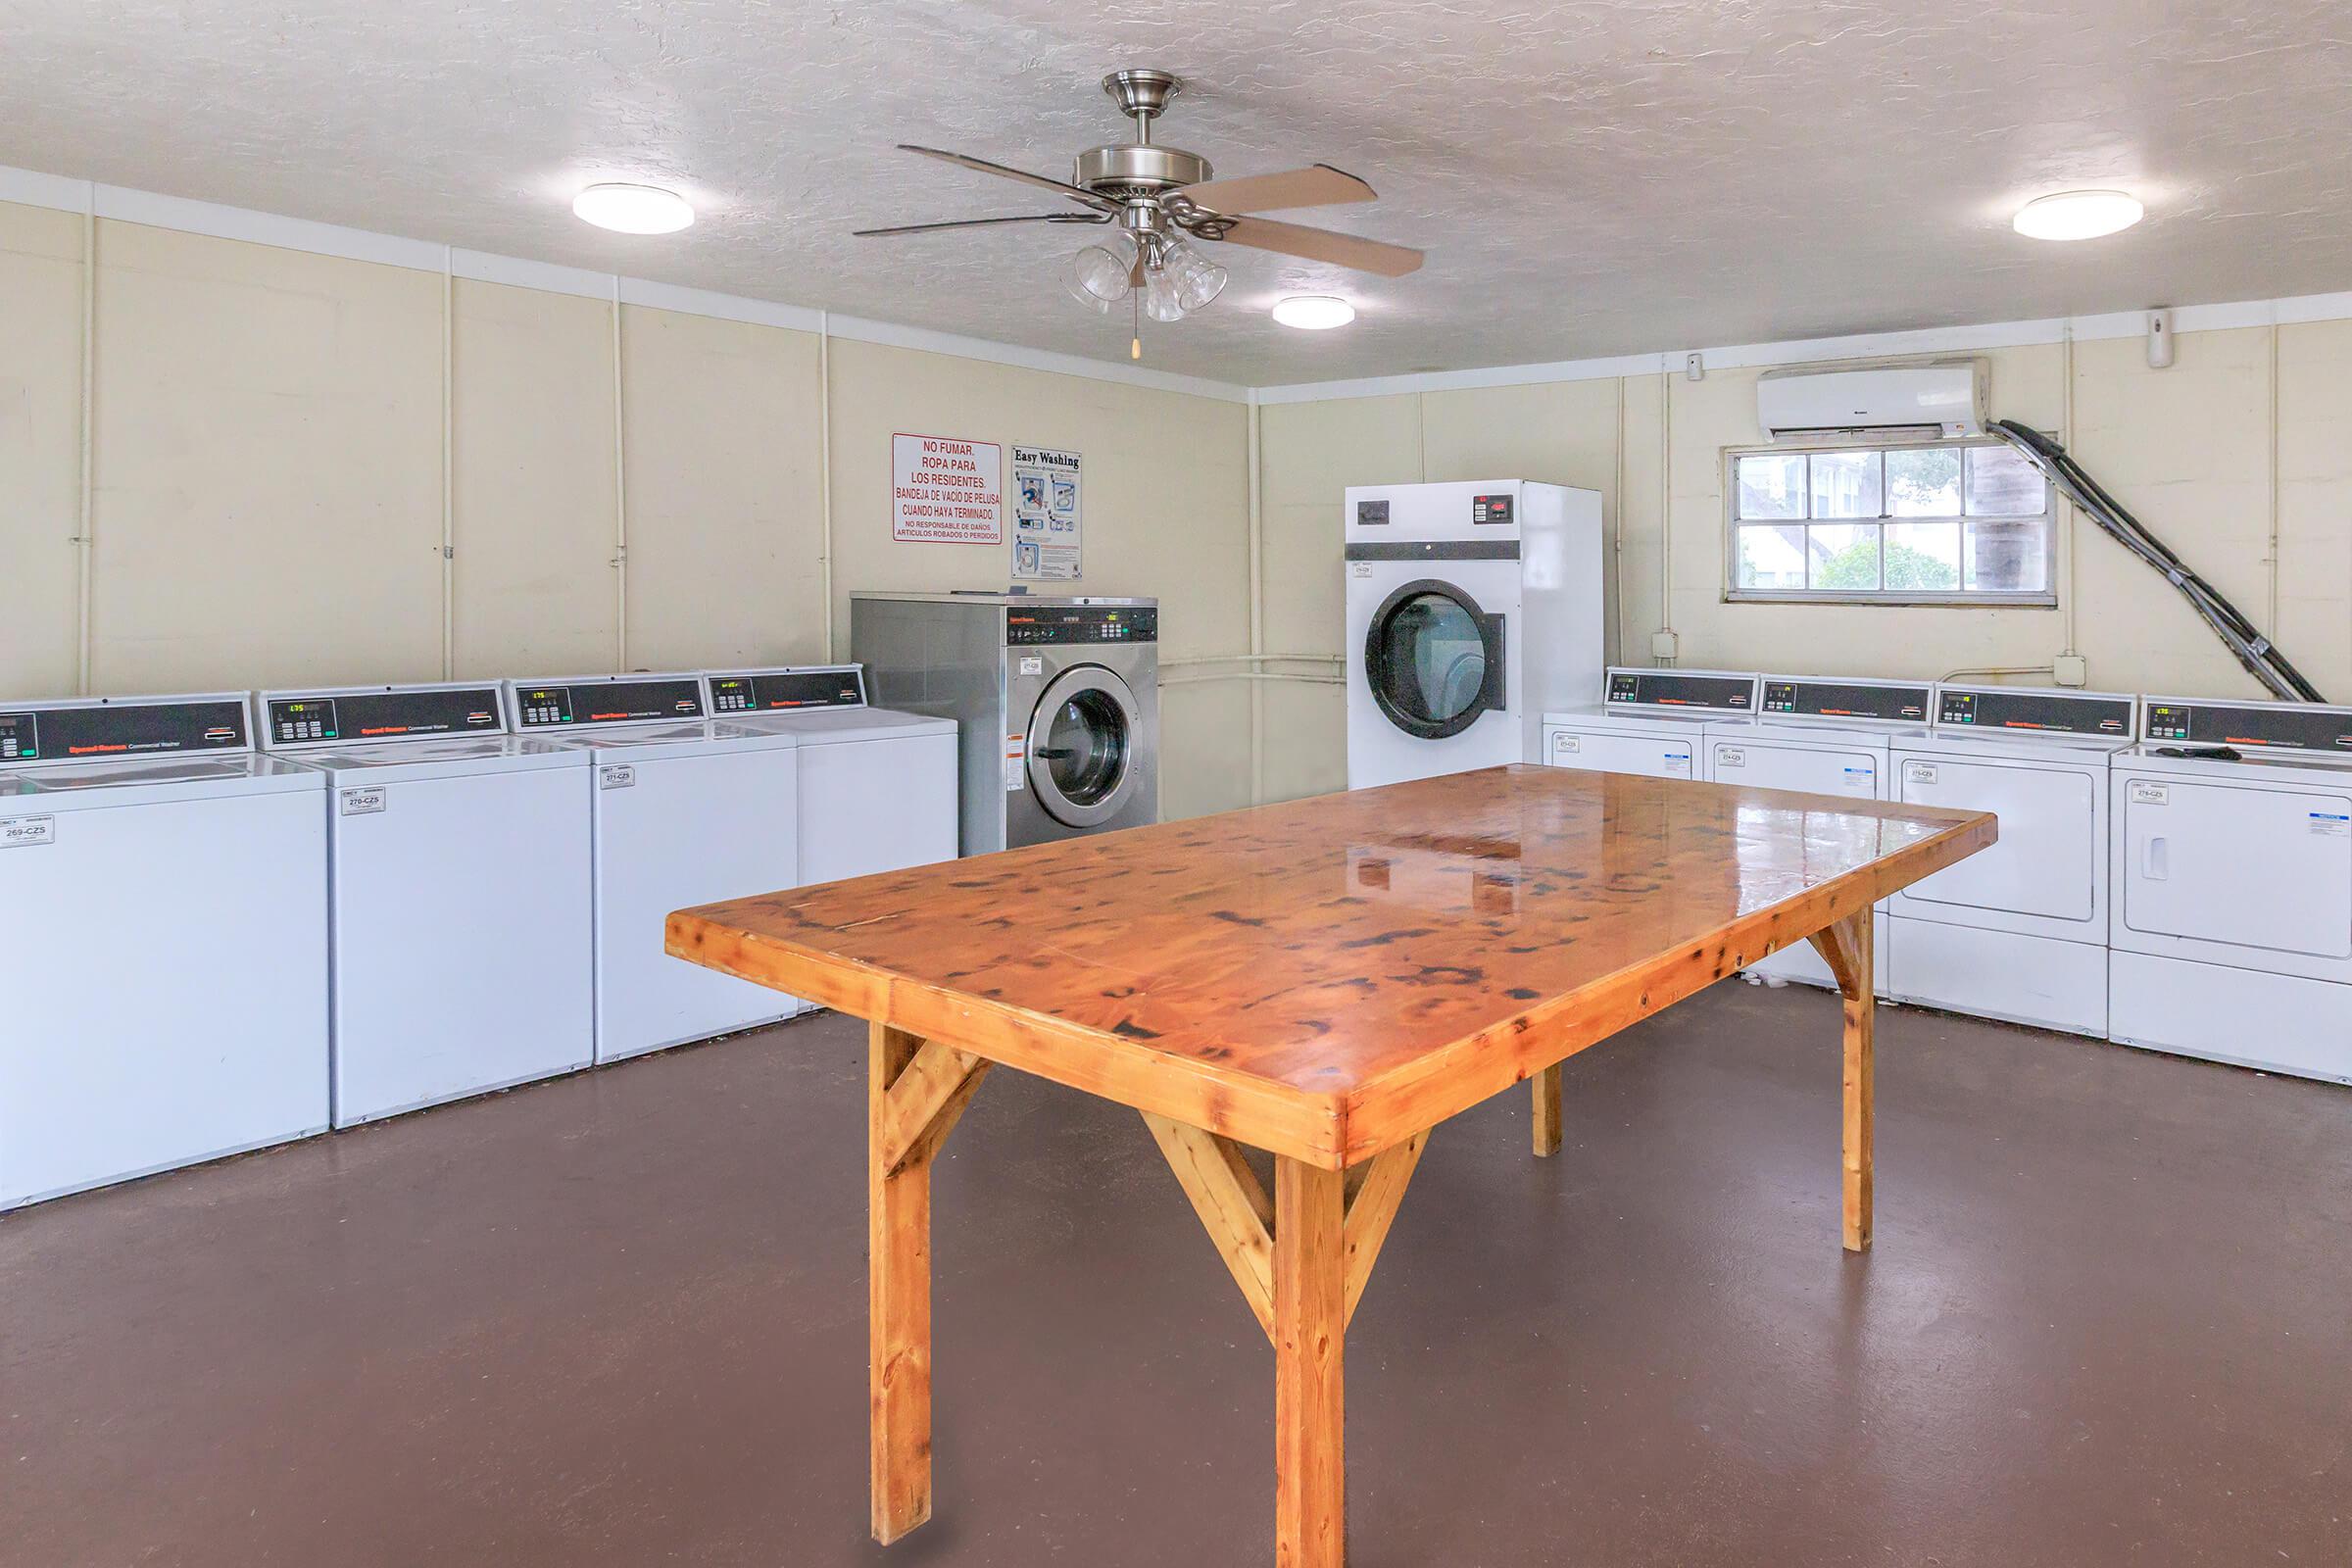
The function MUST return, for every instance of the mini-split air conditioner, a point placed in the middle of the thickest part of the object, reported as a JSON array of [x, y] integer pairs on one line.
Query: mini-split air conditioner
[[1924, 399]]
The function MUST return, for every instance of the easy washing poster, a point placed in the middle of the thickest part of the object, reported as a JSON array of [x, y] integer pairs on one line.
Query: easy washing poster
[[1048, 508]]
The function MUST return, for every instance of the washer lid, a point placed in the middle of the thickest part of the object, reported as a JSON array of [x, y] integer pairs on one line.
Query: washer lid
[[457, 755], [654, 742], [240, 773], [834, 726]]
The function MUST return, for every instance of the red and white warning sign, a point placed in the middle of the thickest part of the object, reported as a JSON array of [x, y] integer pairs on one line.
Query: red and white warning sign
[[945, 491]]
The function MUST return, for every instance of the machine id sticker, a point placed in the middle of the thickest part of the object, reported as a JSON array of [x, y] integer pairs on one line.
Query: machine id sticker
[[2152, 795], [1919, 772], [1679, 766], [22, 832], [362, 801], [1730, 757], [2333, 824], [620, 776], [1032, 664], [1362, 569], [1567, 743]]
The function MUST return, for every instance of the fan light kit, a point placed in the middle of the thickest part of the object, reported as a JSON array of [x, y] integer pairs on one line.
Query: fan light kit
[[1313, 313], [2079, 215], [1163, 205], [633, 209]]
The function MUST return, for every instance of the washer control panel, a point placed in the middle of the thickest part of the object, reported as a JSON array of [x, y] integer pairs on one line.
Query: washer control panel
[[784, 691], [101, 729], [1989, 707], [628, 700], [1846, 699], [1025, 625], [2285, 727], [384, 714], [1675, 688]]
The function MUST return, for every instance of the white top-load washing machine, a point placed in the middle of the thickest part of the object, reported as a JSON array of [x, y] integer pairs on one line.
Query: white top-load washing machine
[[1651, 721], [459, 892], [163, 941], [2231, 936], [1825, 736], [2018, 931], [877, 786], [1471, 609], [686, 811]]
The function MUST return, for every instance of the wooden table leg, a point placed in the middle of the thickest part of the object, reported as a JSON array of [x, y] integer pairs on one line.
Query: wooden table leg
[[1847, 948], [1310, 1331], [1546, 1084]]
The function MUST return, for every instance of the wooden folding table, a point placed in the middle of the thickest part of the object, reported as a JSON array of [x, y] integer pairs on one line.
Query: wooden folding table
[[1324, 980]]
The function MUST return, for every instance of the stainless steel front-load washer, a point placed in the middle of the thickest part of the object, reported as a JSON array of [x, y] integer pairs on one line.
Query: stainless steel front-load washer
[[1056, 702]]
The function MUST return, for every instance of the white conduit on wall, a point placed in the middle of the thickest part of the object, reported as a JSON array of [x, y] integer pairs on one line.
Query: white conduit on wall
[[1258, 608], [824, 469], [2066, 512], [1666, 501], [621, 502], [449, 463], [83, 542]]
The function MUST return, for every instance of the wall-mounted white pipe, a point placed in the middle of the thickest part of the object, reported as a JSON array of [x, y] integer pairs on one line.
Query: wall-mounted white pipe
[[1203, 680], [620, 500], [2066, 508], [825, 468], [2271, 627], [1253, 659], [1257, 610], [84, 542], [2003, 669], [449, 463], [1665, 497], [1617, 506]]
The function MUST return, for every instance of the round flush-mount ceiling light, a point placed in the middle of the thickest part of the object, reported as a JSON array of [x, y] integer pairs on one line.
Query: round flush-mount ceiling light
[[2079, 215], [633, 209], [1313, 313]]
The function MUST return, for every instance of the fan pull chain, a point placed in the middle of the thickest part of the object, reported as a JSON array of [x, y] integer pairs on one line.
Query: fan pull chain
[[1135, 316]]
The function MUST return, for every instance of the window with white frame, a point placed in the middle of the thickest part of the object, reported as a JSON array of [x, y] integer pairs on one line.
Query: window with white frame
[[1951, 523]]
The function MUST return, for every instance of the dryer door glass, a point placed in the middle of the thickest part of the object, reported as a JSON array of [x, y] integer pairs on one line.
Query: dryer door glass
[[1434, 660], [1082, 744]]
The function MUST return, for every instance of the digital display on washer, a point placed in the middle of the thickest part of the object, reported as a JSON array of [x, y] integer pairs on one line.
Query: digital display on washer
[[785, 690], [139, 729], [1993, 707], [610, 701], [1672, 689], [394, 714], [2286, 729], [1025, 625], [1829, 699]]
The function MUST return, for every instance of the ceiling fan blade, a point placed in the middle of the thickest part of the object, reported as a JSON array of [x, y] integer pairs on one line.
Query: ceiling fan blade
[[1076, 193], [1322, 245], [982, 222], [1319, 186]]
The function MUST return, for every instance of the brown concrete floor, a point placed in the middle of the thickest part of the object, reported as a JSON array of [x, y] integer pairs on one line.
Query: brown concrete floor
[[619, 1319]]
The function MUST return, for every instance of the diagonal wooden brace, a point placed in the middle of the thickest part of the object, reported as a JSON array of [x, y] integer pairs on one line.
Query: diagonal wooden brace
[[1239, 1215], [922, 1103]]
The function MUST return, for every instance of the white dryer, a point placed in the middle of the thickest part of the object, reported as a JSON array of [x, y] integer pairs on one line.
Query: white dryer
[[686, 812], [1471, 609], [878, 787], [2019, 931], [163, 941], [1823, 736], [459, 892], [1651, 721], [2231, 935]]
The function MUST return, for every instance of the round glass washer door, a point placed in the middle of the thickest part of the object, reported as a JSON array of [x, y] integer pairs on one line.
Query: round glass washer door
[[1434, 660], [1082, 744]]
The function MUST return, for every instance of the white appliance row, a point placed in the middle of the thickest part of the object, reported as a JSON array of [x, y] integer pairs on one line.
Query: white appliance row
[[2193, 905], [403, 895]]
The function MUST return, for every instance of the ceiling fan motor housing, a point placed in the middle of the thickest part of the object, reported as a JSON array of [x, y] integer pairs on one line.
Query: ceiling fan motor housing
[[1134, 168]]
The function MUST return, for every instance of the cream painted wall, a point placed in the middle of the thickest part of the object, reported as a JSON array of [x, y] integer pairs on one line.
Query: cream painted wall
[[1167, 515], [2189, 448], [267, 452], [40, 448]]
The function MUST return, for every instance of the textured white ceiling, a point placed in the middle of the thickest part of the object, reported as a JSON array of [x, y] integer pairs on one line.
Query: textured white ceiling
[[1588, 178]]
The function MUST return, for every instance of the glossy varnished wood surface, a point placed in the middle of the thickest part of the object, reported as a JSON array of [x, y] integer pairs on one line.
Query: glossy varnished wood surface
[[1330, 976]]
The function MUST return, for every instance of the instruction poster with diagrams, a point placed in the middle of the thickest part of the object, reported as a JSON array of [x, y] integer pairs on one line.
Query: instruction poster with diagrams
[[1047, 506]]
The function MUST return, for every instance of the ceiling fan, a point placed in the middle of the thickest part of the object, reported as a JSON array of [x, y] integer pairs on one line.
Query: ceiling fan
[[1161, 199]]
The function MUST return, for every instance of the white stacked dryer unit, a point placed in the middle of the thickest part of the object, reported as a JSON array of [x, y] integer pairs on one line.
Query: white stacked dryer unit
[[1471, 609], [163, 941], [686, 811], [1656, 722], [878, 787], [1823, 736], [2018, 931], [459, 889], [2231, 936]]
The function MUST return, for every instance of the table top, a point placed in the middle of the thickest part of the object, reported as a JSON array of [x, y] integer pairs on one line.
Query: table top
[[1328, 976]]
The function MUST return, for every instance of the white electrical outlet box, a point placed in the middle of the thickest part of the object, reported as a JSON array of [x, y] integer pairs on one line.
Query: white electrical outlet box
[[1664, 645], [2071, 670]]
